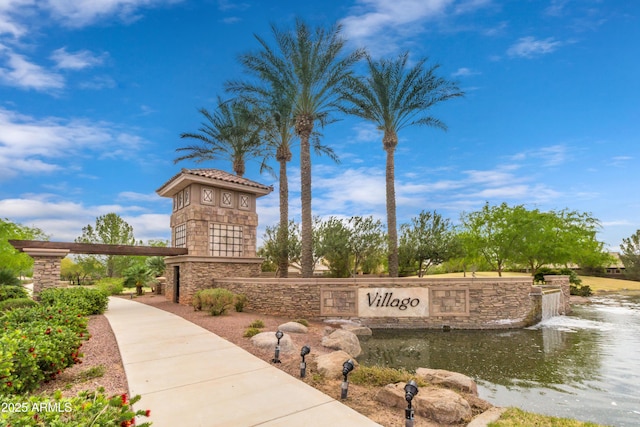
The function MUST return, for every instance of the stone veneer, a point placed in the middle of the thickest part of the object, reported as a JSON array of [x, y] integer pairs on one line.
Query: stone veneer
[[46, 268], [463, 303], [199, 273]]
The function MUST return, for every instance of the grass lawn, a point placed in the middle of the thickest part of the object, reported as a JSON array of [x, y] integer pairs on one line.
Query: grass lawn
[[514, 417], [598, 284]]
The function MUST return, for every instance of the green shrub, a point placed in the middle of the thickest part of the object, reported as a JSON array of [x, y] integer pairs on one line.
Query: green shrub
[[302, 322], [241, 300], [380, 376], [37, 344], [249, 332], [216, 301], [8, 292], [8, 278], [88, 301], [257, 324], [88, 408], [580, 290], [12, 304], [110, 285], [543, 271]]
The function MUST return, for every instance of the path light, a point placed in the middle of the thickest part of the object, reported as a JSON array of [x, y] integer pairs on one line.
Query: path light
[[303, 366], [346, 368], [276, 358], [410, 391]]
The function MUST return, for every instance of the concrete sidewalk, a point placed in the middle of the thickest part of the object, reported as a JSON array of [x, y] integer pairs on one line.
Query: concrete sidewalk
[[190, 377]]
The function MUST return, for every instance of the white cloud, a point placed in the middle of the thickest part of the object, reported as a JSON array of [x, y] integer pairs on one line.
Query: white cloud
[[63, 220], [554, 155], [98, 83], [465, 72], [79, 13], [471, 6], [8, 11], [138, 197], [75, 60], [21, 73], [375, 18], [28, 144], [383, 25], [528, 47]]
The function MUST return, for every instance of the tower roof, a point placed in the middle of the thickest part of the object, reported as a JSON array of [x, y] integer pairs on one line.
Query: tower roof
[[214, 178]]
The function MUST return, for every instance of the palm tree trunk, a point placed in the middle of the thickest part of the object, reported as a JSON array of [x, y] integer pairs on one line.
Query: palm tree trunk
[[283, 229], [304, 127], [392, 230]]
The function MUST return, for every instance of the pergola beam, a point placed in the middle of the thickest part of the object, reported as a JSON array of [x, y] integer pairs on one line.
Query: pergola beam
[[98, 249]]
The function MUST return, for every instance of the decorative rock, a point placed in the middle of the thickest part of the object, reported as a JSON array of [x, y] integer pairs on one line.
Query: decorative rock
[[448, 379], [330, 365], [328, 330], [359, 330], [293, 328], [437, 404], [268, 341], [341, 339]]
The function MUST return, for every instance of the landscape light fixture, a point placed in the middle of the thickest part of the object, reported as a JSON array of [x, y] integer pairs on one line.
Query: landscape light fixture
[[303, 366], [410, 391], [346, 368], [276, 358]]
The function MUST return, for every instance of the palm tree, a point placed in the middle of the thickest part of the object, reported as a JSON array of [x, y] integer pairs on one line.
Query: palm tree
[[306, 66], [393, 97], [232, 133], [278, 132]]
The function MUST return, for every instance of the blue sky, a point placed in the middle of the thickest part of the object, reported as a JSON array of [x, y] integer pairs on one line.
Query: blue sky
[[94, 95]]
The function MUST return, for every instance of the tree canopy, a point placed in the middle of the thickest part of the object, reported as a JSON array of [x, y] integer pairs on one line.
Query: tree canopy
[[109, 229], [513, 235], [10, 257], [630, 255], [428, 240]]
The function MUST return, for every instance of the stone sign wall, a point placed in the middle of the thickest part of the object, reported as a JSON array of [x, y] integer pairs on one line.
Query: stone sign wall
[[465, 303]]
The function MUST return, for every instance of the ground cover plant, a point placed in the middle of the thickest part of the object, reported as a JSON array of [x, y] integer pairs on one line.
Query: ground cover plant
[[88, 408], [37, 344], [216, 301]]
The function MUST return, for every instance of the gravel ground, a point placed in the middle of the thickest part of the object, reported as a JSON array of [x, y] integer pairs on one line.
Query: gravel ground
[[102, 349]]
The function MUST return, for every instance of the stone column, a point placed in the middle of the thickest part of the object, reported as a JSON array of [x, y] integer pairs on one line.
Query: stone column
[[46, 268]]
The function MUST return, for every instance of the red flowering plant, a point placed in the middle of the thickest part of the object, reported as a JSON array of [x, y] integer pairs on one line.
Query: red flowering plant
[[37, 344]]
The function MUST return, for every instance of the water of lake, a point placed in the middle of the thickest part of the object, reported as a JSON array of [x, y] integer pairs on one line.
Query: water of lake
[[584, 366]]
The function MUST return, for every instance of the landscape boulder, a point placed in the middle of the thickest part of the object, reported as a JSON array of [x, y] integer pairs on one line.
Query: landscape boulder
[[268, 341], [341, 339], [359, 330], [330, 365], [439, 405], [448, 379], [293, 328]]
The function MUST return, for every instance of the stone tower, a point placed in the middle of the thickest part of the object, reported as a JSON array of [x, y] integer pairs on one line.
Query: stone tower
[[214, 218]]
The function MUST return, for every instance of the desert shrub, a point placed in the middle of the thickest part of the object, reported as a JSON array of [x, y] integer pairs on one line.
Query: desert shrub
[[8, 292], [37, 344], [573, 276], [302, 322], [241, 300], [381, 375], [110, 285], [257, 324], [249, 332], [580, 290], [12, 304], [8, 278], [88, 408], [88, 301], [216, 301]]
